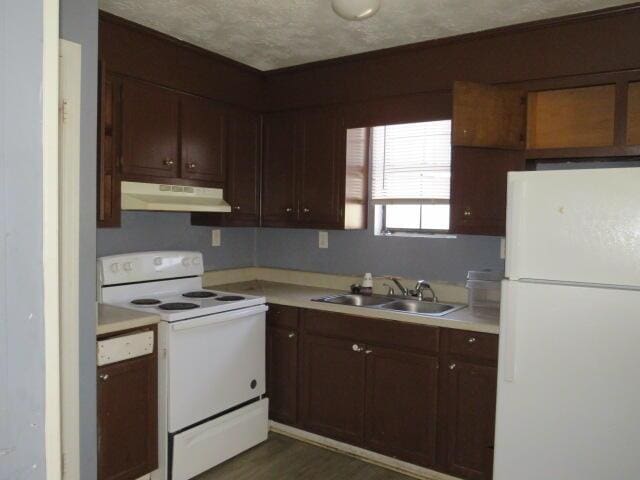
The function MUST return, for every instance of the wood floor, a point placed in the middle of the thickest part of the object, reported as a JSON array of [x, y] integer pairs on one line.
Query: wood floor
[[283, 458]]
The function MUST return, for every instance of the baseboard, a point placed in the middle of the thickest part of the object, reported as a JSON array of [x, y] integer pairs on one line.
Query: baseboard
[[390, 463]]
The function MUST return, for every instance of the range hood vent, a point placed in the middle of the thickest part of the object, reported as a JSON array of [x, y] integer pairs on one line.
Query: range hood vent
[[171, 198]]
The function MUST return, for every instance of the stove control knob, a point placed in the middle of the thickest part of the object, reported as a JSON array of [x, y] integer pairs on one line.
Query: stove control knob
[[127, 266], [114, 267], [185, 262], [157, 261], [195, 261]]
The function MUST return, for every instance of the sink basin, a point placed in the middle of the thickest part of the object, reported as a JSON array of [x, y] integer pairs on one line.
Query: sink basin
[[355, 300], [416, 306], [396, 304]]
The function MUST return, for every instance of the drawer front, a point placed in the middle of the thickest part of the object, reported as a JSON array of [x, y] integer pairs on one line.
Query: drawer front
[[472, 344], [372, 331], [282, 316]]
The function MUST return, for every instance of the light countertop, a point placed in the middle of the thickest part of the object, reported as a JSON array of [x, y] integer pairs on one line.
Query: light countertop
[[300, 296], [115, 319]]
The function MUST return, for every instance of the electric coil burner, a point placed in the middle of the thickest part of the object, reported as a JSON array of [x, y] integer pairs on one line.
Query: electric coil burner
[[146, 301], [230, 298], [200, 294], [177, 306]]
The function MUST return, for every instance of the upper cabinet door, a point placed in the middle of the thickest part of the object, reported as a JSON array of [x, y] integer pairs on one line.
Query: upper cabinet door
[[278, 170], [322, 153], [203, 139], [488, 116], [243, 168], [633, 114], [149, 131]]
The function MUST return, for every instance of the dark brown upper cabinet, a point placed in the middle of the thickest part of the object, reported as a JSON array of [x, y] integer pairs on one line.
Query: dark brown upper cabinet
[[488, 116], [242, 188], [488, 141], [108, 188], [633, 114], [149, 126], [203, 133], [310, 177]]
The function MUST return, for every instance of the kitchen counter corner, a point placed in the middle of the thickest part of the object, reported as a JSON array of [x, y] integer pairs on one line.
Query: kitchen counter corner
[[115, 319]]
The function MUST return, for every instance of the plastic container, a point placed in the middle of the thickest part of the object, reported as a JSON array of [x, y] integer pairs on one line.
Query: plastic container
[[483, 290]]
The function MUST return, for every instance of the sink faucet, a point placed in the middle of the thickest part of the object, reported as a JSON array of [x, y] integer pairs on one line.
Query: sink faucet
[[403, 290], [421, 286]]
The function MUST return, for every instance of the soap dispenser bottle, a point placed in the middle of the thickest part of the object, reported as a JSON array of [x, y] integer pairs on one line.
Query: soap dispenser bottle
[[367, 284]]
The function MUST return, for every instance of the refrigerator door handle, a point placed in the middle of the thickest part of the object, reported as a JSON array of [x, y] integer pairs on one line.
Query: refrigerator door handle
[[508, 330], [516, 193]]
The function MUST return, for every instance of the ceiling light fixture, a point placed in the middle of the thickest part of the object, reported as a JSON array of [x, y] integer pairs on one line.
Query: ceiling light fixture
[[355, 9]]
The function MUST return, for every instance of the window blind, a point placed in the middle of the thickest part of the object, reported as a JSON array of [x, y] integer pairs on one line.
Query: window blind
[[412, 163]]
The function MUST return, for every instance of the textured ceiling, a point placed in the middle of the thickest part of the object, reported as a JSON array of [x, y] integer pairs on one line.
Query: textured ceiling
[[269, 34]]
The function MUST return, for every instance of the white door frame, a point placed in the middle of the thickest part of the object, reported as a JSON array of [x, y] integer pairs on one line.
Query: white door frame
[[50, 243], [69, 182]]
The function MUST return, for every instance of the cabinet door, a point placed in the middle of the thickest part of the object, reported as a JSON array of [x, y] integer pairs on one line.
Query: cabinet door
[[278, 174], [633, 114], [243, 169], [333, 376], [282, 374], [127, 419], [468, 404], [202, 137], [108, 174], [322, 152], [401, 405], [488, 116], [479, 189], [149, 131]]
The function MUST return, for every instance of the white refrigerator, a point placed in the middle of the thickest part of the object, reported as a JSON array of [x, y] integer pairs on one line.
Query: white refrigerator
[[568, 404]]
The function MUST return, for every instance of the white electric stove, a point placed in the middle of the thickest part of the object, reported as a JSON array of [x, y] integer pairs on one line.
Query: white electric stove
[[211, 357]]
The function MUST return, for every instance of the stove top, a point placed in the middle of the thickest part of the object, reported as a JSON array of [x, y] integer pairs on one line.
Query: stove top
[[178, 305]]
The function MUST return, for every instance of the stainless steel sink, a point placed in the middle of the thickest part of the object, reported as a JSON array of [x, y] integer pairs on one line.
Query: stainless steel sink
[[355, 300], [417, 306], [396, 304]]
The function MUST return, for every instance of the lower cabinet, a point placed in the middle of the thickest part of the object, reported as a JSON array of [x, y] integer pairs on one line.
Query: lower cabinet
[[128, 418], [400, 406], [424, 395], [333, 383]]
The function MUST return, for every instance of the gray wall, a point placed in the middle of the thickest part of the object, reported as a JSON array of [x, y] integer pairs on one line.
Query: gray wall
[[173, 231], [434, 259], [21, 285], [79, 23]]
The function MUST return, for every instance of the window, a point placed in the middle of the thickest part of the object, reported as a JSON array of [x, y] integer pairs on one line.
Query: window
[[412, 176]]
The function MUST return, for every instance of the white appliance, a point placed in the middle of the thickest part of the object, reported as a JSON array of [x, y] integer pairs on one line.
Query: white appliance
[[568, 404], [172, 198], [211, 347]]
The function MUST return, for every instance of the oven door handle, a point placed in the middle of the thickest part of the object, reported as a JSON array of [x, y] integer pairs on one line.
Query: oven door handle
[[219, 318]]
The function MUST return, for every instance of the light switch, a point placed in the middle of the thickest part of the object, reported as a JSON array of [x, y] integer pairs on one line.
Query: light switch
[[215, 238], [503, 248], [323, 239]]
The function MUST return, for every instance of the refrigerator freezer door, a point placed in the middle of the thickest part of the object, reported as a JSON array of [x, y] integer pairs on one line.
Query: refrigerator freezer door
[[574, 226], [568, 402]]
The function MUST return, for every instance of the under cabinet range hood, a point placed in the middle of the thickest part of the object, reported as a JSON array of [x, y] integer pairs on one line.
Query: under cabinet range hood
[[171, 198]]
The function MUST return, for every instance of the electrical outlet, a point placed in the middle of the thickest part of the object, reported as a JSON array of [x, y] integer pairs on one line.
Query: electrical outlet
[[215, 238], [323, 239]]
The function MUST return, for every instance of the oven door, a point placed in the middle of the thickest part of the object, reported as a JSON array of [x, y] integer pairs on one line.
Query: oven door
[[216, 362]]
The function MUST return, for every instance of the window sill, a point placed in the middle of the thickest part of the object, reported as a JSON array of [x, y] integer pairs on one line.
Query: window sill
[[417, 235]]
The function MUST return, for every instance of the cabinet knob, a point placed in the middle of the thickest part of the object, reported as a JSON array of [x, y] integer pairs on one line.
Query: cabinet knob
[[467, 212], [104, 377], [306, 210], [357, 348], [472, 340], [191, 166], [452, 366], [236, 208], [291, 334], [167, 162], [288, 209], [368, 352]]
